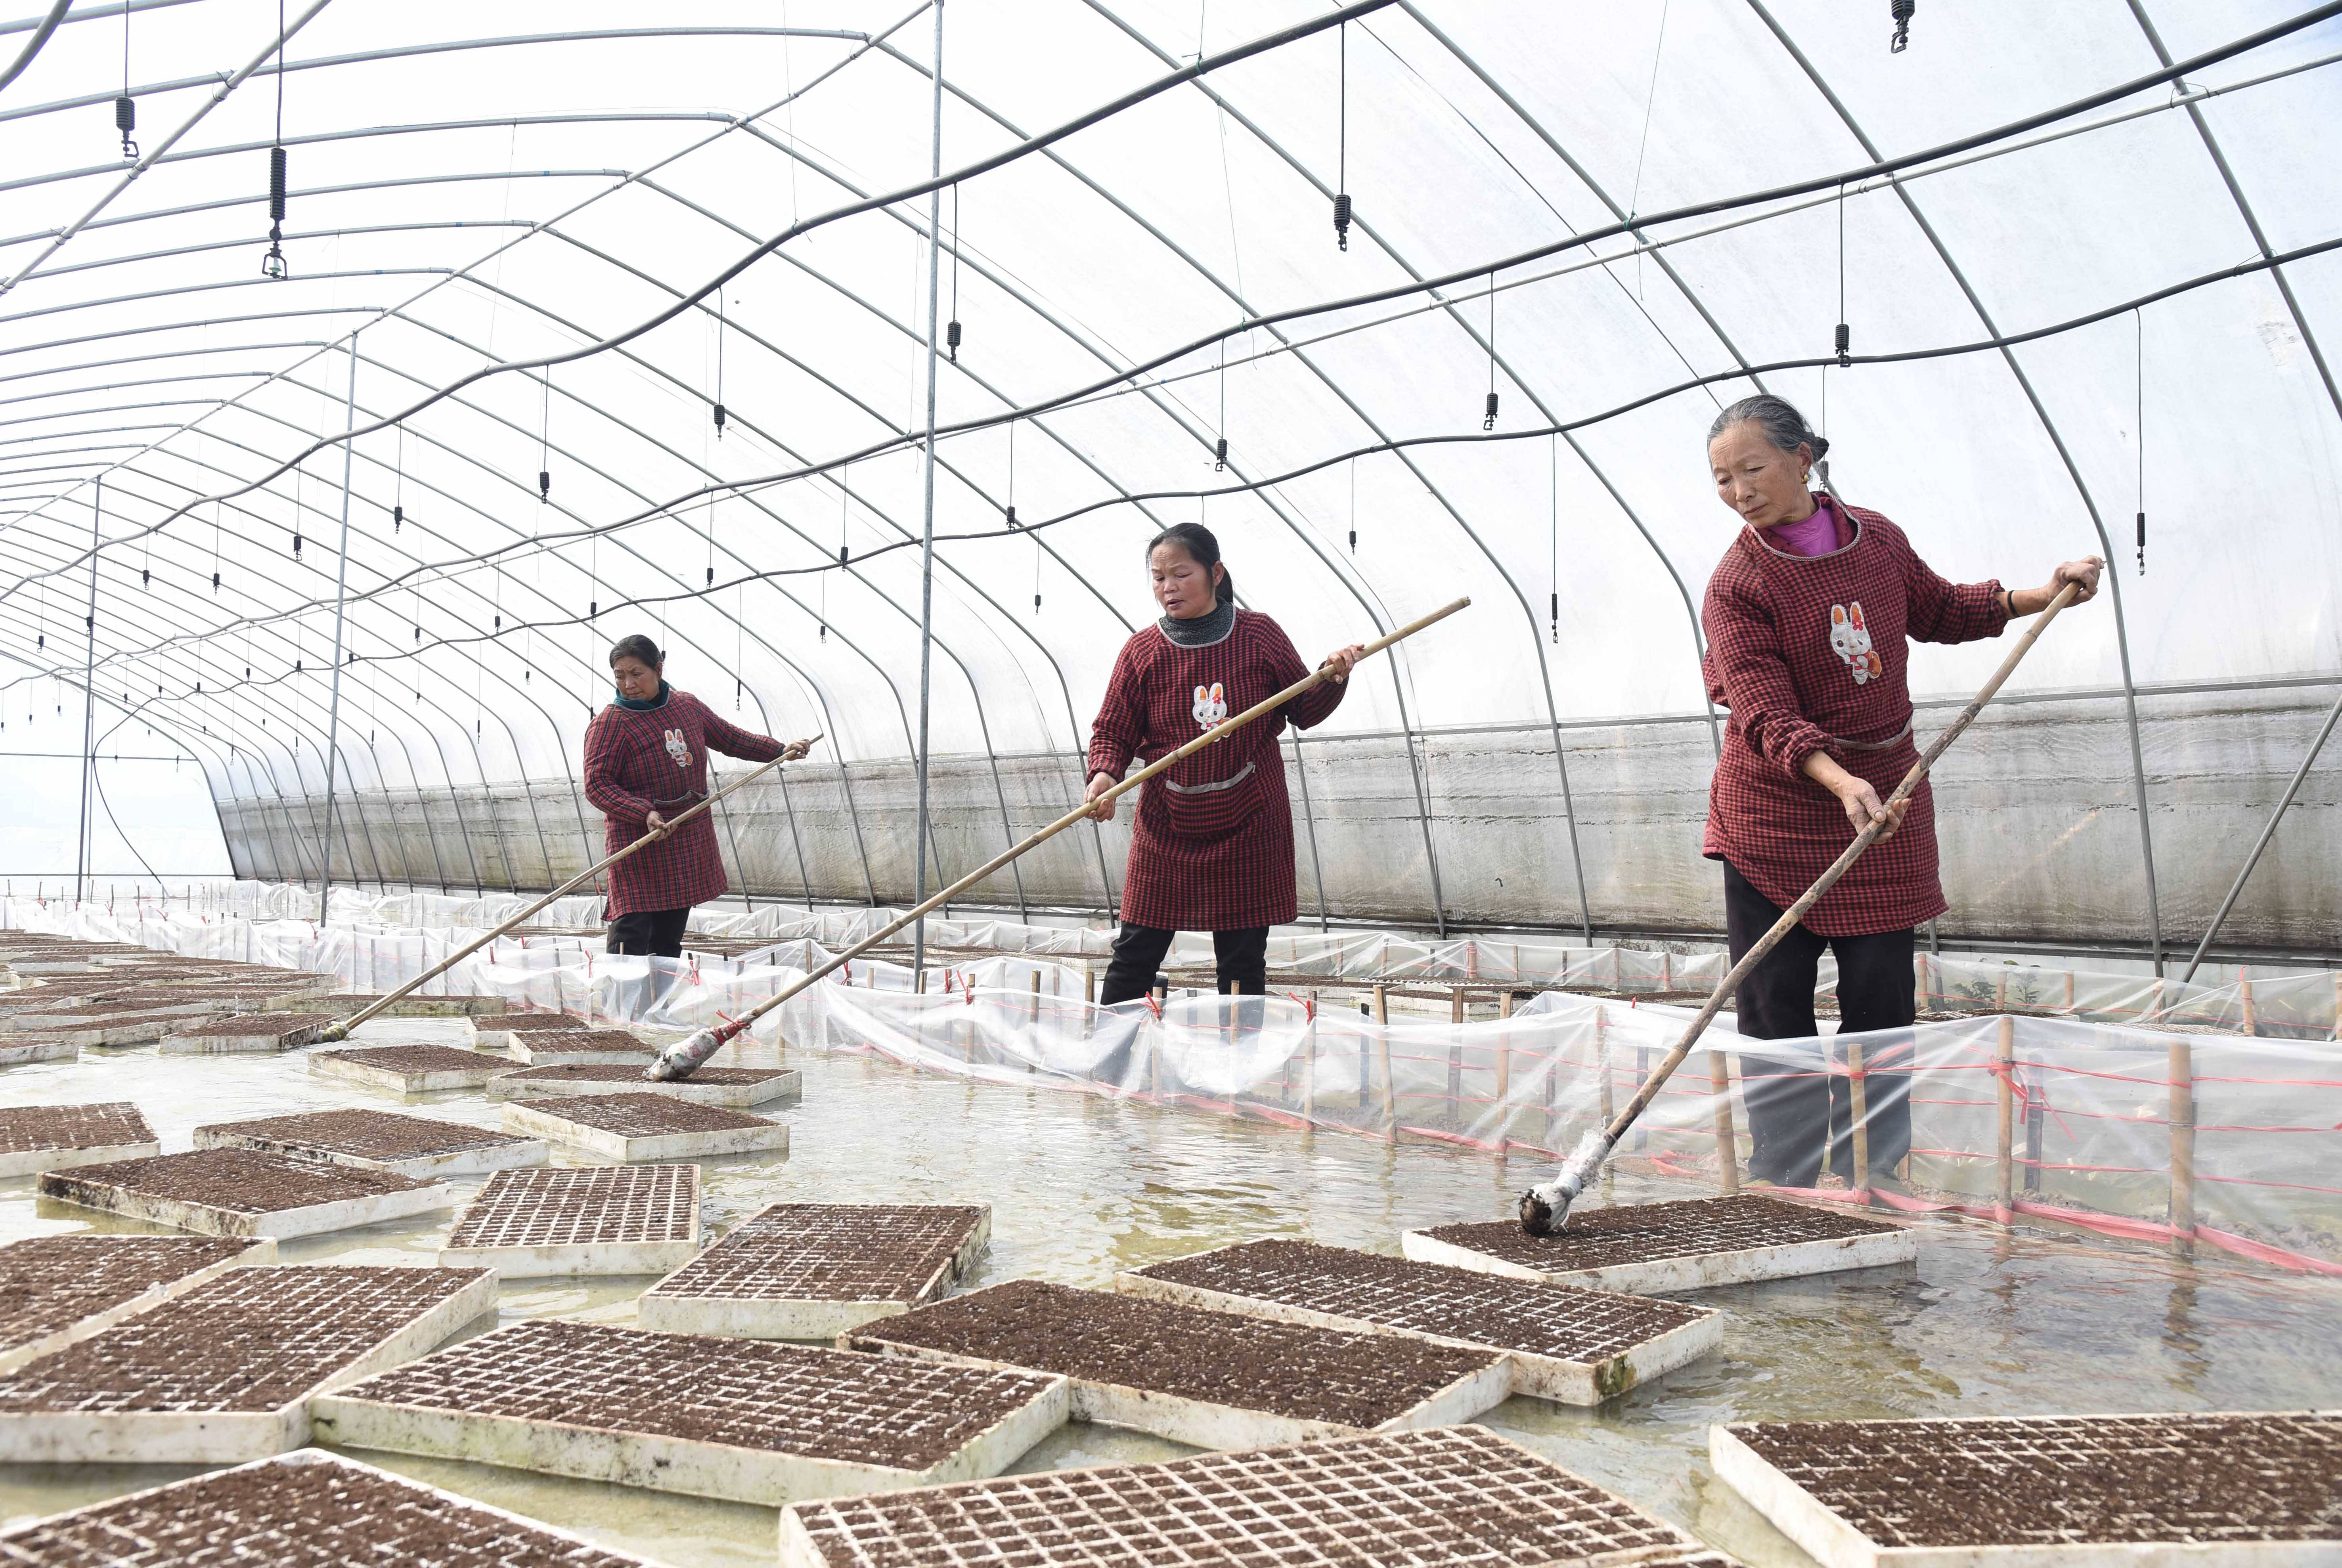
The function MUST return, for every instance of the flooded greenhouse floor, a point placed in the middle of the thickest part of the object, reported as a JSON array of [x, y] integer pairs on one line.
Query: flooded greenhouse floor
[[1081, 1188]]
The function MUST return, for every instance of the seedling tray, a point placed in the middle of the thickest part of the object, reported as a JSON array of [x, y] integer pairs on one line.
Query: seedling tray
[[737, 1087], [582, 1047], [379, 1141], [740, 1419], [1573, 1346], [495, 1031], [244, 1193], [36, 1138], [57, 1290], [1650, 1248], [627, 1127], [253, 1031], [408, 1069], [1213, 1379], [582, 1220], [815, 1271]]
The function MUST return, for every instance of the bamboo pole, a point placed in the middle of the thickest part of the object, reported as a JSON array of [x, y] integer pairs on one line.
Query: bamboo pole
[[1309, 1068], [2183, 1148], [2244, 998], [677, 1061], [1505, 1075], [1859, 1108], [2005, 1143], [1456, 1062], [1727, 1152]]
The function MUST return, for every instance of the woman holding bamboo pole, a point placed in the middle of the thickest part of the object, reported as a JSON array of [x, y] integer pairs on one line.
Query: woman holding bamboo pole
[[646, 761], [1807, 617], [1211, 848]]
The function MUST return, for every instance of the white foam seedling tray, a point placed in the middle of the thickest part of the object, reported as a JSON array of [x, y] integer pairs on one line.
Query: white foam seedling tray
[[743, 1287], [513, 1228], [15, 1050], [476, 1160], [765, 1088], [253, 1252], [260, 1038], [545, 1121], [308, 1220], [1893, 1244], [365, 1066]]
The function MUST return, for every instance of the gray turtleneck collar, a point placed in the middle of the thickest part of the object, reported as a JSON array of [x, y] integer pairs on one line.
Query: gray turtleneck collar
[[1203, 630]]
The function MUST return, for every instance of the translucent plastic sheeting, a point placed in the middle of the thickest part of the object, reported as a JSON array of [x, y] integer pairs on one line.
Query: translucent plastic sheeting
[[2221, 1141]]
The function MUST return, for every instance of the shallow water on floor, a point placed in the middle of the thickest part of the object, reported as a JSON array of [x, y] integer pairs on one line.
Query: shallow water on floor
[[1081, 1187]]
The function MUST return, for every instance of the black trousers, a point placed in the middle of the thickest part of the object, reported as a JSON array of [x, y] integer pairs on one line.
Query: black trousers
[[1794, 1112], [652, 932], [1240, 959]]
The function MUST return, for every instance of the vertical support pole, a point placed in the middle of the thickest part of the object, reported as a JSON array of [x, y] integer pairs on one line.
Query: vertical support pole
[[1602, 1062], [2337, 1004], [2183, 1148], [927, 526], [2005, 1143], [1858, 1109], [1089, 986], [1505, 1075], [1728, 1152], [2244, 999], [341, 613], [1309, 1068], [89, 696], [1382, 1054], [1456, 1062], [1642, 1073]]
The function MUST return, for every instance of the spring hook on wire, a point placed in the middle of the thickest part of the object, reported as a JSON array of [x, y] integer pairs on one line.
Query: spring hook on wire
[[1844, 346], [1220, 454], [1899, 10], [126, 120], [1489, 421], [951, 341], [273, 264], [1341, 220]]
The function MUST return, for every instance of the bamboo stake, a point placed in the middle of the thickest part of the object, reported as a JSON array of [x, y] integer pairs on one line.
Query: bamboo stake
[[1505, 1075], [1543, 1209], [1309, 1068], [2005, 1141], [1858, 1107], [1728, 1152], [2183, 1148], [341, 1030], [678, 1061]]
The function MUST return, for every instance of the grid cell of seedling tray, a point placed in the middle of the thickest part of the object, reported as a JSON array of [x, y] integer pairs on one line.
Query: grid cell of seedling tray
[[582, 1048], [54, 1290], [253, 1031], [408, 1069], [737, 1087], [244, 1193], [814, 1271], [304, 1510], [1576, 1346], [379, 1141], [2045, 1489], [637, 1127], [741, 1419], [1213, 1379], [1457, 1497], [1674, 1246], [585, 1220], [36, 1138], [225, 1373]]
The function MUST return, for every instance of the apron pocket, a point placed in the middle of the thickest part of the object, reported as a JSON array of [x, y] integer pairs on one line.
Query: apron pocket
[[1213, 809]]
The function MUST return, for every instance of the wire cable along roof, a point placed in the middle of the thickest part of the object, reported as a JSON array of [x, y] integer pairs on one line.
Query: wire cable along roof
[[355, 349]]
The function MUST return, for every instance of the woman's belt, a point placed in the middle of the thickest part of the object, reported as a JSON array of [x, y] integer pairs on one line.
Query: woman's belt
[[685, 801], [1241, 774], [1891, 742]]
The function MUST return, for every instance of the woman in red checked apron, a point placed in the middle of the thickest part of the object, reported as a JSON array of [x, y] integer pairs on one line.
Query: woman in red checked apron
[[1807, 619], [646, 761], [1212, 846]]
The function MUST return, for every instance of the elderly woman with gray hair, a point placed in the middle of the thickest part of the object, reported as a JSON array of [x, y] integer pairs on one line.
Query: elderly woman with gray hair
[[1808, 619]]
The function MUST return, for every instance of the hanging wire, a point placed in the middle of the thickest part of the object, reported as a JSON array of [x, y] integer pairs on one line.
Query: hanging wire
[[2139, 422], [1220, 446], [1553, 464], [1845, 340], [719, 367], [545, 437], [126, 107], [951, 330], [398, 482], [1489, 421], [273, 264], [1342, 142], [1354, 506]]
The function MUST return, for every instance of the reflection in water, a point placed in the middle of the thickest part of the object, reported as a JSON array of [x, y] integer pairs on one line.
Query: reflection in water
[[1082, 1187]]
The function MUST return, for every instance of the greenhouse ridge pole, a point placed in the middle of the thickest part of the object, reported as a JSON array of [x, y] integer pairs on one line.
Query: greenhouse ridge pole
[[927, 522], [341, 615], [88, 696]]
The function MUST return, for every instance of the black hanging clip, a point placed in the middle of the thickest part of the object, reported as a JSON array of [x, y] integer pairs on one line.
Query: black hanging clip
[[719, 421], [296, 547], [1556, 620], [1220, 454], [1844, 346], [126, 120], [1341, 220], [544, 486], [215, 582], [1488, 421], [1899, 10], [273, 264], [951, 341], [711, 576], [2142, 544], [398, 518], [1012, 515], [145, 577]]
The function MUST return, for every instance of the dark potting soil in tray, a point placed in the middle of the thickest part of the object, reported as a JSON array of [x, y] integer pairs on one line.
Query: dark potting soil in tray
[[369, 1134], [644, 1115], [575, 1206], [528, 1023], [260, 1023], [581, 1038], [1428, 1298], [1639, 1233], [243, 1181], [48, 1283], [830, 1252], [27, 1129], [1452, 1497], [2067, 1480], [304, 1511], [747, 1393], [619, 1072], [419, 1059], [252, 1339], [1287, 1369]]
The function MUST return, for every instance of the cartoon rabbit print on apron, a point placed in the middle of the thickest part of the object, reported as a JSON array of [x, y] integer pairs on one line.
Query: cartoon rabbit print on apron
[[1198, 805], [1850, 640], [677, 748]]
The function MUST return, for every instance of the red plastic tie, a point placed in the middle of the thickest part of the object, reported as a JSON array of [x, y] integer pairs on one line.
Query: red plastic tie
[[1308, 1008], [1152, 1005]]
